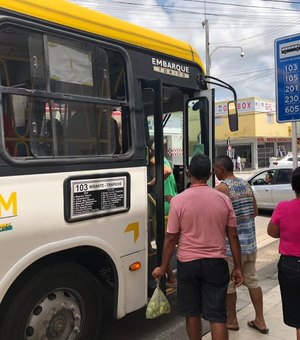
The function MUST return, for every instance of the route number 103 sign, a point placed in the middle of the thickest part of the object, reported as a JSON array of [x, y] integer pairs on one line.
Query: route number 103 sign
[[287, 67]]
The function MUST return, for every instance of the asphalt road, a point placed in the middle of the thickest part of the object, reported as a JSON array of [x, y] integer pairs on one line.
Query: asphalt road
[[135, 326]]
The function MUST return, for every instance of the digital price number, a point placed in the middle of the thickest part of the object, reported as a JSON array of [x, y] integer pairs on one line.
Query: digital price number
[[291, 88]]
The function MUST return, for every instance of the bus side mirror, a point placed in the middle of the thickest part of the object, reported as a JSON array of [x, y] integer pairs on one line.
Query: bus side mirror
[[232, 116]]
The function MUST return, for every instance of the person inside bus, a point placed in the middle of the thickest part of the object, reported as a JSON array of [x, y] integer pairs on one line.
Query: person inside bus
[[116, 136], [170, 190], [110, 133]]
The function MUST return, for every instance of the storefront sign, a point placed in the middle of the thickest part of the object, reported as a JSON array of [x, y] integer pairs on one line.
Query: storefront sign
[[272, 140], [247, 105]]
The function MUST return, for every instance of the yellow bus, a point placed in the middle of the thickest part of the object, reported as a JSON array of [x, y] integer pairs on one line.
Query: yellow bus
[[82, 93]]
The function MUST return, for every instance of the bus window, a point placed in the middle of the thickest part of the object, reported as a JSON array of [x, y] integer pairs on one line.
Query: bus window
[[79, 68], [45, 124], [66, 128], [70, 66], [194, 132], [198, 129]]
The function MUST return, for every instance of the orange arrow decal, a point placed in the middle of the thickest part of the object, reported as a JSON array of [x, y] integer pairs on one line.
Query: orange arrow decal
[[135, 227]]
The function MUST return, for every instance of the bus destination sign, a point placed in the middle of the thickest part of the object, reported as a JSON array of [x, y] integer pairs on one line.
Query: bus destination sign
[[98, 196], [287, 59]]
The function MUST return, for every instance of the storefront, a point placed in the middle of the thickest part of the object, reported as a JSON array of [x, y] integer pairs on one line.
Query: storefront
[[259, 136]]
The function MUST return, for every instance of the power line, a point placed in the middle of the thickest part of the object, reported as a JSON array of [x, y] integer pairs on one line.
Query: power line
[[251, 79], [183, 9], [247, 72], [245, 6], [285, 2], [222, 15]]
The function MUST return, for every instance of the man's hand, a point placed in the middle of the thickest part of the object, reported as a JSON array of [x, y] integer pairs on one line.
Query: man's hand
[[158, 272], [168, 198], [169, 246], [237, 277]]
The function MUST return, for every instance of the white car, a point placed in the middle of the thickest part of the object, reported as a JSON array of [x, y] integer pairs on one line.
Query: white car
[[267, 195], [286, 161]]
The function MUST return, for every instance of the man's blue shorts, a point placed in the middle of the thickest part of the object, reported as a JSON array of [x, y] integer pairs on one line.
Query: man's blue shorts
[[202, 289]]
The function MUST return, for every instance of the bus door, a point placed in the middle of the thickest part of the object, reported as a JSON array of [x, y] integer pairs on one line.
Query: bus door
[[199, 124], [166, 129], [153, 123]]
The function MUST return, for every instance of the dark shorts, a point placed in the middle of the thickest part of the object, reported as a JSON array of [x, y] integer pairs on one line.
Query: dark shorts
[[202, 288], [289, 281]]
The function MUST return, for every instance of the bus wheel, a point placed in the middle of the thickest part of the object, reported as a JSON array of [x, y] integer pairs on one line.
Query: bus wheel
[[59, 302]]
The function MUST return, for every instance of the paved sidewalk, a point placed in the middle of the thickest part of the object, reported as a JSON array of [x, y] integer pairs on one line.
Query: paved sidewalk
[[273, 316]]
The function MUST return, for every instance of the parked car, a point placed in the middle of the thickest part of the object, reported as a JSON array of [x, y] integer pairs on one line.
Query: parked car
[[286, 161], [278, 189]]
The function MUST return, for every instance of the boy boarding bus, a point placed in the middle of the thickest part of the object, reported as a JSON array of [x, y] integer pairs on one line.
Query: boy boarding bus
[[81, 95]]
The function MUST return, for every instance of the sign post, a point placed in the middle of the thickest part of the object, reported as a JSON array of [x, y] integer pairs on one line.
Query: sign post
[[287, 59]]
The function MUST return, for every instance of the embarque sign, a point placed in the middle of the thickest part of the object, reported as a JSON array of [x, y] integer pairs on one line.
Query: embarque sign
[[287, 60]]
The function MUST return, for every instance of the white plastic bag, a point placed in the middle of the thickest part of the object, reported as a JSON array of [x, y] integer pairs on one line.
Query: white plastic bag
[[158, 304]]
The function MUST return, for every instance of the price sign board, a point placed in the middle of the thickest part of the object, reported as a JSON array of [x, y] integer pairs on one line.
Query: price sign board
[[287, 66]]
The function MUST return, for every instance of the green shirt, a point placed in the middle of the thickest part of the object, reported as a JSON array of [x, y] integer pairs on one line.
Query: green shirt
[[170, 187]]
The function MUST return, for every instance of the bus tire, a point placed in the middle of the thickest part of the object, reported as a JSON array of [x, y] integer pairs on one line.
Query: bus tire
[[62, 301]]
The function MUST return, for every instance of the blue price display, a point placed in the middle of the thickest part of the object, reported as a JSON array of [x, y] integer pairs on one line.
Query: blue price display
[[287, 57]]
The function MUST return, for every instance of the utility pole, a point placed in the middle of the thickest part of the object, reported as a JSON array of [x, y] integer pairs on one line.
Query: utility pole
[[207, 48], [207, 45], [294, 145]]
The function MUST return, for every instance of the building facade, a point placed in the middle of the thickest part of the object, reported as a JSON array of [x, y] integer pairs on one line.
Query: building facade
[[259, 136]]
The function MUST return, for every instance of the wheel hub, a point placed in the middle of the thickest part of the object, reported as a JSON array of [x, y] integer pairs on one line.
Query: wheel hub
[[58, 324], [56, 317]]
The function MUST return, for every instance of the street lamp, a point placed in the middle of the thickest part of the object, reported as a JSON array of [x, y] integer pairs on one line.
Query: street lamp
[[242, 52], [209, 55]]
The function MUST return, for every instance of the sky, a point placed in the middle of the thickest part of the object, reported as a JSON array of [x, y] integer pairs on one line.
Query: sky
[[250, 25]]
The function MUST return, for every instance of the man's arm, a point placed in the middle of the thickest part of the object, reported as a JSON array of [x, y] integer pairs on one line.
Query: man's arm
[[236, 275], [167, 171], [169, 246], [255, 206], [222, 187]]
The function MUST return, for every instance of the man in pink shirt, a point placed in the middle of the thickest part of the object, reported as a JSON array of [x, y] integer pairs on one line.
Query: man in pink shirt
[[285, 224], [200, 218]]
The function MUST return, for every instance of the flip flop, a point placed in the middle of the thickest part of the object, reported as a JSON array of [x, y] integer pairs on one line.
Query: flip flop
[[234, 328], [253, 325]]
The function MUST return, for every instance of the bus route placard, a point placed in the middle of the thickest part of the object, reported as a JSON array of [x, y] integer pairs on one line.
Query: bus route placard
[[92, 197], [287, 67]]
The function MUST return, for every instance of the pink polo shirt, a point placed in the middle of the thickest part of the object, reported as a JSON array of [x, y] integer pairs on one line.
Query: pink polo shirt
[[287, 216], [200, 216]]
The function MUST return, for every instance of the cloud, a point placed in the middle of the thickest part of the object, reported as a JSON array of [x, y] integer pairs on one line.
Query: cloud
[[252, 25]]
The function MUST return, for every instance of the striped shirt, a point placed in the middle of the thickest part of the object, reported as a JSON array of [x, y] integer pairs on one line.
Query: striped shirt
[[241, 197]]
